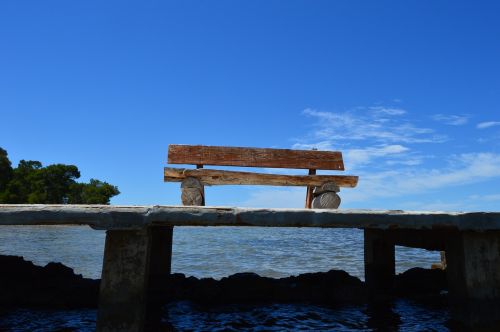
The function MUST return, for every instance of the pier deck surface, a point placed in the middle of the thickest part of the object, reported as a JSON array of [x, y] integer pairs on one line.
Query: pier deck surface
[[114, 217]]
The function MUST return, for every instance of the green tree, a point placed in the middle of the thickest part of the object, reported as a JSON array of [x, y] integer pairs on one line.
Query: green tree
[[52, 183], [32, 183], [94, 192], [23, 179], [6, 170]]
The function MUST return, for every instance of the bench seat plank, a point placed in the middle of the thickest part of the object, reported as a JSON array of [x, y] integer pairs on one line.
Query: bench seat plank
[[222, 177], [254, 157]]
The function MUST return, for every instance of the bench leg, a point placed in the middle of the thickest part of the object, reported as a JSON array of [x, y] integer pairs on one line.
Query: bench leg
[[193, 192], [124, 282], [473, 272], [379, 261]]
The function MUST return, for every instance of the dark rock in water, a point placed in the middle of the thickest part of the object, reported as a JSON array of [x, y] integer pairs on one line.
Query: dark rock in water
[[419, 282], [331, 287], [24, 284], [246, 287]]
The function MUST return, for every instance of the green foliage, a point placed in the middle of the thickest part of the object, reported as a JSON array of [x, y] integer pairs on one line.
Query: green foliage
[[95, 192], [5, 169], [32, 183]]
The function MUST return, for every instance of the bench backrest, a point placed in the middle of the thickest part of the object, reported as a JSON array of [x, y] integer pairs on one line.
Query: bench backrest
[[193, 180], [254, 157]]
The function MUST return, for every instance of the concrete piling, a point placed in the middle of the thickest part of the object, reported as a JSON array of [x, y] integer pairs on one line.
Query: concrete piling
[[136, 267], [124, 281], [161, 256], [379, 261], [473, 272]]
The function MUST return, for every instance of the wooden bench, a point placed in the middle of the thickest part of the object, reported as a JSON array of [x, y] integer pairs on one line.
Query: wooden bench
[[321, 189]]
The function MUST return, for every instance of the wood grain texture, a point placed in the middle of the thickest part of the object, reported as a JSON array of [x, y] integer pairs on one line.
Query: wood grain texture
[[254, 157], [218, 177]]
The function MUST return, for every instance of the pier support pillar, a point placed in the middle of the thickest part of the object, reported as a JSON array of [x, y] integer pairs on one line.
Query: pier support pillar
[[160, 264], [136, 270], [159, 274], [379, 261], [473, 271], [124, 282]]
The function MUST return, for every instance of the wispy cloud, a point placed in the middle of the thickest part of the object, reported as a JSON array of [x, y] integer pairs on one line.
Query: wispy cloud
[[368, 134], [488, 124], [379, 124], [356, 157], [452, 120], [387, 110], [387, 148], [462, 170]]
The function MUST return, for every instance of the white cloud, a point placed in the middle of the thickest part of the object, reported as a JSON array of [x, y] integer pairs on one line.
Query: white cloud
[[382, 125], [467, 169], [379, 145], [356, 157], [408, 160], [452, 120], [368, 134], [380, 110], [488, 124]]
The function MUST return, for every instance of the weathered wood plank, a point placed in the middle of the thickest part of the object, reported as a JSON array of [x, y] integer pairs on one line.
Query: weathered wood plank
[[218, 177], [137, 217], [254, 157]]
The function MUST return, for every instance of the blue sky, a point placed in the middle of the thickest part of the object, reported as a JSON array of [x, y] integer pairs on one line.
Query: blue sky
[[408, 91]]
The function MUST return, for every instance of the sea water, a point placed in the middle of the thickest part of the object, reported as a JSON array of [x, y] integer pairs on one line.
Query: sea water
[[221, 251]]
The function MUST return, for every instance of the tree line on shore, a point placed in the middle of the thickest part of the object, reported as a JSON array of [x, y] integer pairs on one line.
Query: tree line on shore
[[32, 183]]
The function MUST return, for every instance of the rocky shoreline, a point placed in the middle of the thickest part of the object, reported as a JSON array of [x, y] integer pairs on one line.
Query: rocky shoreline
[[23, 284]]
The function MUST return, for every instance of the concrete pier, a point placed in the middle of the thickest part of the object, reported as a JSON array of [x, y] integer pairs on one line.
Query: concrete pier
[[138, 249], [124, 281], [473, 272], [380, 266], [136, 263]]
